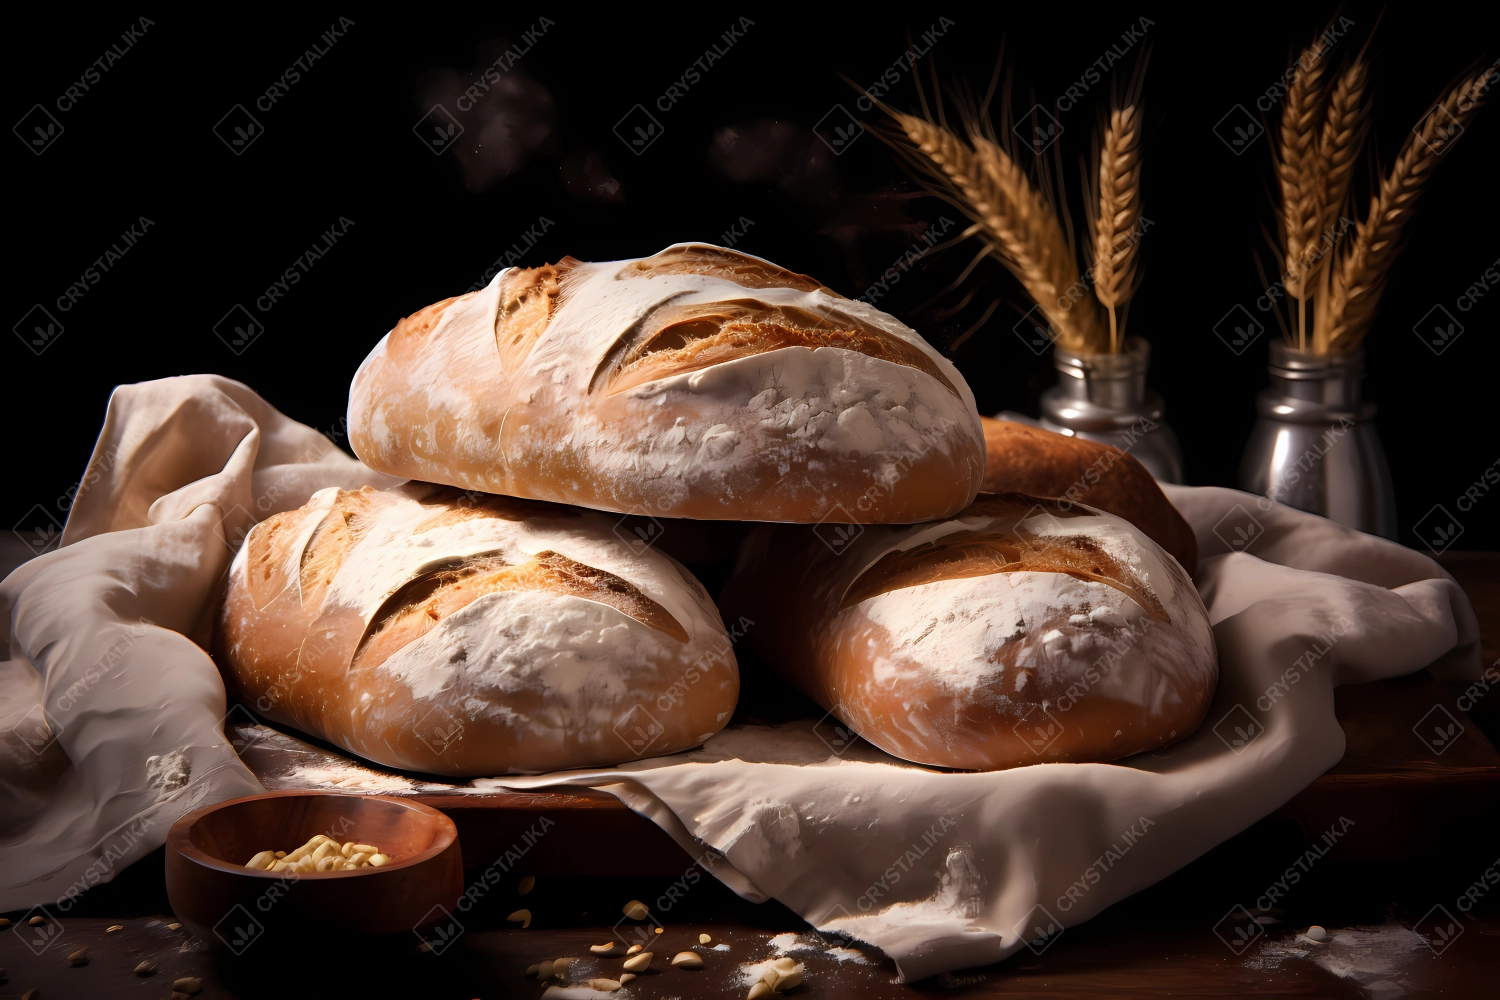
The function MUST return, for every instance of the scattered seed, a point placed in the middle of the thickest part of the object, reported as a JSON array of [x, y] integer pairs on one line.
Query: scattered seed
[[174, 926], [638, 963], [759, 990], [604, 985], [704, 939], [544, 970], [4, 922], [1317, 933], [632, 949], [560, 966], [789, 981], [379, 860], [37, 921], [626, 977], [528, 882], [785, 964], [145, 968], [687, 960], [188, 984], [636, 910], [531, 969], [522, 917], [79, 958], [660, 930], [602, 949]]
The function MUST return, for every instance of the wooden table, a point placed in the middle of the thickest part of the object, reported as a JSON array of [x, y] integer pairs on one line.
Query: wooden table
[[1427, 827]]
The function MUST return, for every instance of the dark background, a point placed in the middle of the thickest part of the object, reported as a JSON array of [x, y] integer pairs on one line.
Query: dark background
[[738, 146]]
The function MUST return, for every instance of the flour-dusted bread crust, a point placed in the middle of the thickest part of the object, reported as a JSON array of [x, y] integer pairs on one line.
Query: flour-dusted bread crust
[[1021, 631], [1023, 459], [697, 383], [471, 635]]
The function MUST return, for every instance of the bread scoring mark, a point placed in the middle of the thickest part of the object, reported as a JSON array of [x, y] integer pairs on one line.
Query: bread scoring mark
[[675, 338], [528, 299], [717, 262], [442, 589], [995, 548]]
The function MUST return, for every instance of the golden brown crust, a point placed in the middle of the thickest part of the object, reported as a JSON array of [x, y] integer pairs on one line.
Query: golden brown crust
[[1024, 459], [306, 640]]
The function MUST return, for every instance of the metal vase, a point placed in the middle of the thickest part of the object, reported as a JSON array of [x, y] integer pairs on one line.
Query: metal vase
[[1314, 445], [1103, 397]]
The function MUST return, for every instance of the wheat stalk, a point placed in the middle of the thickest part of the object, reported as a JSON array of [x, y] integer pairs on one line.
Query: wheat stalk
[[1017, 222], [1299, 173], [1344, 129], [1360, 272], [1119, 212]]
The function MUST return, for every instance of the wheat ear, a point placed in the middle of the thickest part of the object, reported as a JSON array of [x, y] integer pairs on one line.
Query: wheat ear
[[1119, 213], [1339, 146], [1016, 221], [1298, 171], [1359, 274]]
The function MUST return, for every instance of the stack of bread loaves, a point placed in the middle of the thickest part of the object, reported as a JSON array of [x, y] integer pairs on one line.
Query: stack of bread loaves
[[491, 624]]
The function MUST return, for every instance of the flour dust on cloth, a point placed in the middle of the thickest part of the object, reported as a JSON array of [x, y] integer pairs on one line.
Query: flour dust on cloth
[[110, 710], [945, 871], [114, 711]]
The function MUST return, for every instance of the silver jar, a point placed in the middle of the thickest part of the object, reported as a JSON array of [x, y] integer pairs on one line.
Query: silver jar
[[1314, 445], [1103, 397]]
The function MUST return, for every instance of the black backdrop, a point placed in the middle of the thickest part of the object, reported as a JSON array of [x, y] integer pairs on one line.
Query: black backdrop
[[736, 159]]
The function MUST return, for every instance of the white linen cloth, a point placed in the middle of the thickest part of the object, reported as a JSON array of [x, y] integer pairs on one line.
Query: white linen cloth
[[940, 870]]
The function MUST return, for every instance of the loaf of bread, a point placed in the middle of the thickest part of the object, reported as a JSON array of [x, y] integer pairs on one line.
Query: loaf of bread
[[1023, 459], [697, 383], [1021, 631], [461, 634]]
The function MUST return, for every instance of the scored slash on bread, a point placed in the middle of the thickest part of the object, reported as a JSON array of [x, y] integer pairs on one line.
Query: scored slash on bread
[[697, 383]]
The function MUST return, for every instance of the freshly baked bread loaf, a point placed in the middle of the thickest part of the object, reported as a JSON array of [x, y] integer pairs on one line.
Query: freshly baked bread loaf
[[471, 635], [1021, 631], [698, 383], [1041, 463]]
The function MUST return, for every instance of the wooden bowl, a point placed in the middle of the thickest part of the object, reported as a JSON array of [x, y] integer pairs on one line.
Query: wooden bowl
[[227, 904]]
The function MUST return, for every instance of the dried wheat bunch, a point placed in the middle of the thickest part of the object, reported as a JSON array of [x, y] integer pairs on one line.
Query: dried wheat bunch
[[1360, 270]]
